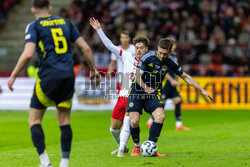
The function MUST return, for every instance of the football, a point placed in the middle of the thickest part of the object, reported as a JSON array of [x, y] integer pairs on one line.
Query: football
[[148, 149]]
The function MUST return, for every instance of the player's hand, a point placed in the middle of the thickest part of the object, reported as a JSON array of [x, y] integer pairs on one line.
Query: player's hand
[[175, 83], [205, 93], [11, 82], [94, 23], [149, 90], [95, 76]]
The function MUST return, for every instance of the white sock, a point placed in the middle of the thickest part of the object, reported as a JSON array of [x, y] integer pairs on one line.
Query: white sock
[[125, 133], [64, 162], [44, 159], [150, 120], [178, 123], [116, 134]]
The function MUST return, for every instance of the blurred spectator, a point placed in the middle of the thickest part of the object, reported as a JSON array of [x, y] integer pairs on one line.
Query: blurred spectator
[[1, 89], [206, 31], [64, 13]]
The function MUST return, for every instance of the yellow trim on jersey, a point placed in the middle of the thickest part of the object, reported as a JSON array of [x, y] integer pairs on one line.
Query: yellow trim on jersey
[[163, 83], [45, 16], [159, 93], [45, 100], [130, 87], [66, 103], [40, 44]]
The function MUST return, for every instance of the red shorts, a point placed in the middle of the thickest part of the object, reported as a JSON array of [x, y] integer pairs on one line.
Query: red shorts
[[120, 108], [118, 87]]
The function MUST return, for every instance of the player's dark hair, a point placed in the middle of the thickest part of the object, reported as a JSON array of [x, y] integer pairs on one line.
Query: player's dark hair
[[166, 43], [142, 39], [125, 32], [41, 4], [172, 39]]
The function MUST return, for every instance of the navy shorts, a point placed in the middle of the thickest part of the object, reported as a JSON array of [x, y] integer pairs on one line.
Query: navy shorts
[[169, 92], [138, 100], [53, 93]]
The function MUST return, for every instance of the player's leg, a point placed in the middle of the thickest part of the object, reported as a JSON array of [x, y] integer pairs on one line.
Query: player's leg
[[135, 131], [179, 126], [115, 129], [155, 130], [38, 106], [117, 121], [124, 136], [63, 116], [37, 134]]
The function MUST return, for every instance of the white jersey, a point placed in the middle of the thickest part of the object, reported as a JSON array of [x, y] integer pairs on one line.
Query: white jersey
[[130, 62], [119, 62]]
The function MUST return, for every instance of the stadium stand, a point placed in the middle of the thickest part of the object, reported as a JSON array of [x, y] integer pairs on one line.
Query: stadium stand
[[213, 36]]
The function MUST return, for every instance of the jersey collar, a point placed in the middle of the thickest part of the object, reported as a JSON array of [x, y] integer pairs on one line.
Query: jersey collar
[[45, 16]]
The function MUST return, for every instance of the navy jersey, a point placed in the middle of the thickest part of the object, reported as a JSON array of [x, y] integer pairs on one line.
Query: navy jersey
[[53, 35], [154, 70], [172, 73]]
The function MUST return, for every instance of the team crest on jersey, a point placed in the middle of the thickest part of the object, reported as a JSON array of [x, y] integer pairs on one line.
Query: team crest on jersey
[[164, 67], [163, 97], [131, 104], [157, 67]]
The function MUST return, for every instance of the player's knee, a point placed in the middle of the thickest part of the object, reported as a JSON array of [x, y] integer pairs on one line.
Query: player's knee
[[134, 123], [33, 121], [161, 117]]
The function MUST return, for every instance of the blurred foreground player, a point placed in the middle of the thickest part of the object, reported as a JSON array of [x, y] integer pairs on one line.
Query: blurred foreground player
[[51, 37]]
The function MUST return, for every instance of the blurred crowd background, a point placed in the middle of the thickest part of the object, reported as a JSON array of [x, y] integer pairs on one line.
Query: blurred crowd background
[[213, 35]]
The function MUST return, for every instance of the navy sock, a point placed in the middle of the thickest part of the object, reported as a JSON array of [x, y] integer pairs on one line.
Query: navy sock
[[66, 138], [135, 133], [155, 131], [37, 136], [178, 111]]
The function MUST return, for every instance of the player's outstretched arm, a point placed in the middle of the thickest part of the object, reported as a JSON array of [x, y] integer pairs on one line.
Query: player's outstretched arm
[[172, 81], [188, 79], [105, 40], [22, 62], [88, 54]]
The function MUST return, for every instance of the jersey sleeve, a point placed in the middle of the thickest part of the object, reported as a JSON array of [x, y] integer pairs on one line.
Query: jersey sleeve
[[31, 33], [108, 44], [142, 64], [74, 33], [176, 67]]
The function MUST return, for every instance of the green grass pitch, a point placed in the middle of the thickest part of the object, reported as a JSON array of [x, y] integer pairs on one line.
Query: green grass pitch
[[216, 139]]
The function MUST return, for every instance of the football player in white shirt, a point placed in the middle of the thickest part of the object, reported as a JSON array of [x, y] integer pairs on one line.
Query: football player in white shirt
[[125, 46], [130, 62]]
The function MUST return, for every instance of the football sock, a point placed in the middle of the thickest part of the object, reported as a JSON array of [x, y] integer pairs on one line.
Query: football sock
[[151, 119], [44, 159], [37, 136], [125, 133], [66, 138], [116, 134], [155, 131], [135, 133], [178, 122], [177, 110], [64, 162]]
